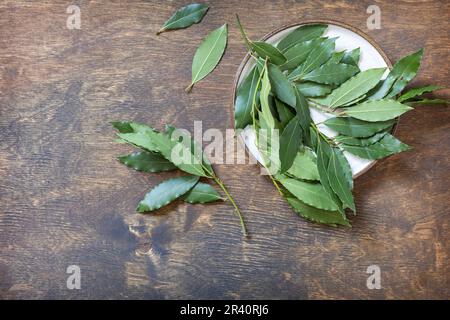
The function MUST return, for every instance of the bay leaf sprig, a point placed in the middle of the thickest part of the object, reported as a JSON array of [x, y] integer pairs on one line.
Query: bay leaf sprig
[[303, 71], [170, 150], [185, 17]]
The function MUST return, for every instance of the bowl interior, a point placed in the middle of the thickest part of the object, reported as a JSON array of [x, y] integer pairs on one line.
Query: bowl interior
[[371, 57]]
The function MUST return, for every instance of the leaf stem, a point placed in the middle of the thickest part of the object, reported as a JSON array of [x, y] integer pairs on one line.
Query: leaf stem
[[189, 88]]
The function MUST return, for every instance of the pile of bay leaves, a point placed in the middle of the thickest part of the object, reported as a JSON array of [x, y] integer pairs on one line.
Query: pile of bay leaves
[[305, 71]]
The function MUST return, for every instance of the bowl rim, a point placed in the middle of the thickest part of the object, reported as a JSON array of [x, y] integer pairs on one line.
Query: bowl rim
[[303, 23]]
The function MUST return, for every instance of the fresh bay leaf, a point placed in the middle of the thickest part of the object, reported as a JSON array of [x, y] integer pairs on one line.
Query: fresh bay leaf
[[185, 17], [304, 166], [280, 85], [166, 192], [338, 181], [284, 112], [303, 112], [354, 101], [208, 54], [122, 126], [290, 141], [311, 89], [331, 73], [202, 193], [244, 99], [355, 87], [387, 146], [352, 141], [297, 54], [352, 57], [377, 110], [267, 51], [357, 128], [417, 92], [312, 194], [345, 166], [147, 162], [316, 57], [264, 98], [427, 102], [336, 58], [404, 71], [301, 34], [313, 214]]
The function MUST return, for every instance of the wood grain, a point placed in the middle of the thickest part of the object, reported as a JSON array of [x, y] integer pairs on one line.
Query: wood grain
[[65, 200]]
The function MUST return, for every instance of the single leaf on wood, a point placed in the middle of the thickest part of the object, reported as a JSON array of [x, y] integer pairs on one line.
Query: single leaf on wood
[[311, 89], [301, 34], [357, 128], [208, 54], [147, 162], [352, 57], [331, 73], [404, 71], [316, 57], [290, 141], [297, 54], [281, 86], [387, 146], [377, 110], [354, 88], [352, 141], [284, 112], [331, 218], [202, 193], [338, 181], [185, 17], [415, 92], [312, 194], [244, 99], [427, 102], [166, 192], [304, 166]]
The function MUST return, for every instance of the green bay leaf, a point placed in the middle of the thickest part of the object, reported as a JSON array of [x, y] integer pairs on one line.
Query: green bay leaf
[[166, 192], [357, 128], [331, 73], [311, 89], [297, 54], [304, 166], [387, 146], [202, 193], [185, 17], [267, 51], [301, 34], [377, 110], [338, 181], [415, 92], [352, 141], [281, 86], [352, 57], [290, 141], [244, 99], [208, 54], [147, 162]]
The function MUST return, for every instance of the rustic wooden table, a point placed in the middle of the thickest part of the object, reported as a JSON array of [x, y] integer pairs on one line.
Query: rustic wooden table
[[65, 200]]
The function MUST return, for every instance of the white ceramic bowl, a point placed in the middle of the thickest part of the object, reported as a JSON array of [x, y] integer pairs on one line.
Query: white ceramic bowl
[[348, 38]]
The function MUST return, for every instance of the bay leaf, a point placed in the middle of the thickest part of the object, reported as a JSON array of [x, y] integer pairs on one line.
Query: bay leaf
[[122, 126], [415, 92], [303, 112], [311, 89], [352, 57], [297, 54], [336, 58], [244, 99], [354, 88], [267, 51], [290, 141], [331, 218], [280, 85], [147, 162], [301, 34], [357, 128], [284, 112], [185, 17], [316, 57], [377, 110], [345, 166], [338, 181], [427, 102], [331, 73], [202, 193], [208, 54], [312, 194], [264, 99], [387, 146], [166, 192], [304, 166], [404, 71], [352, 141]]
